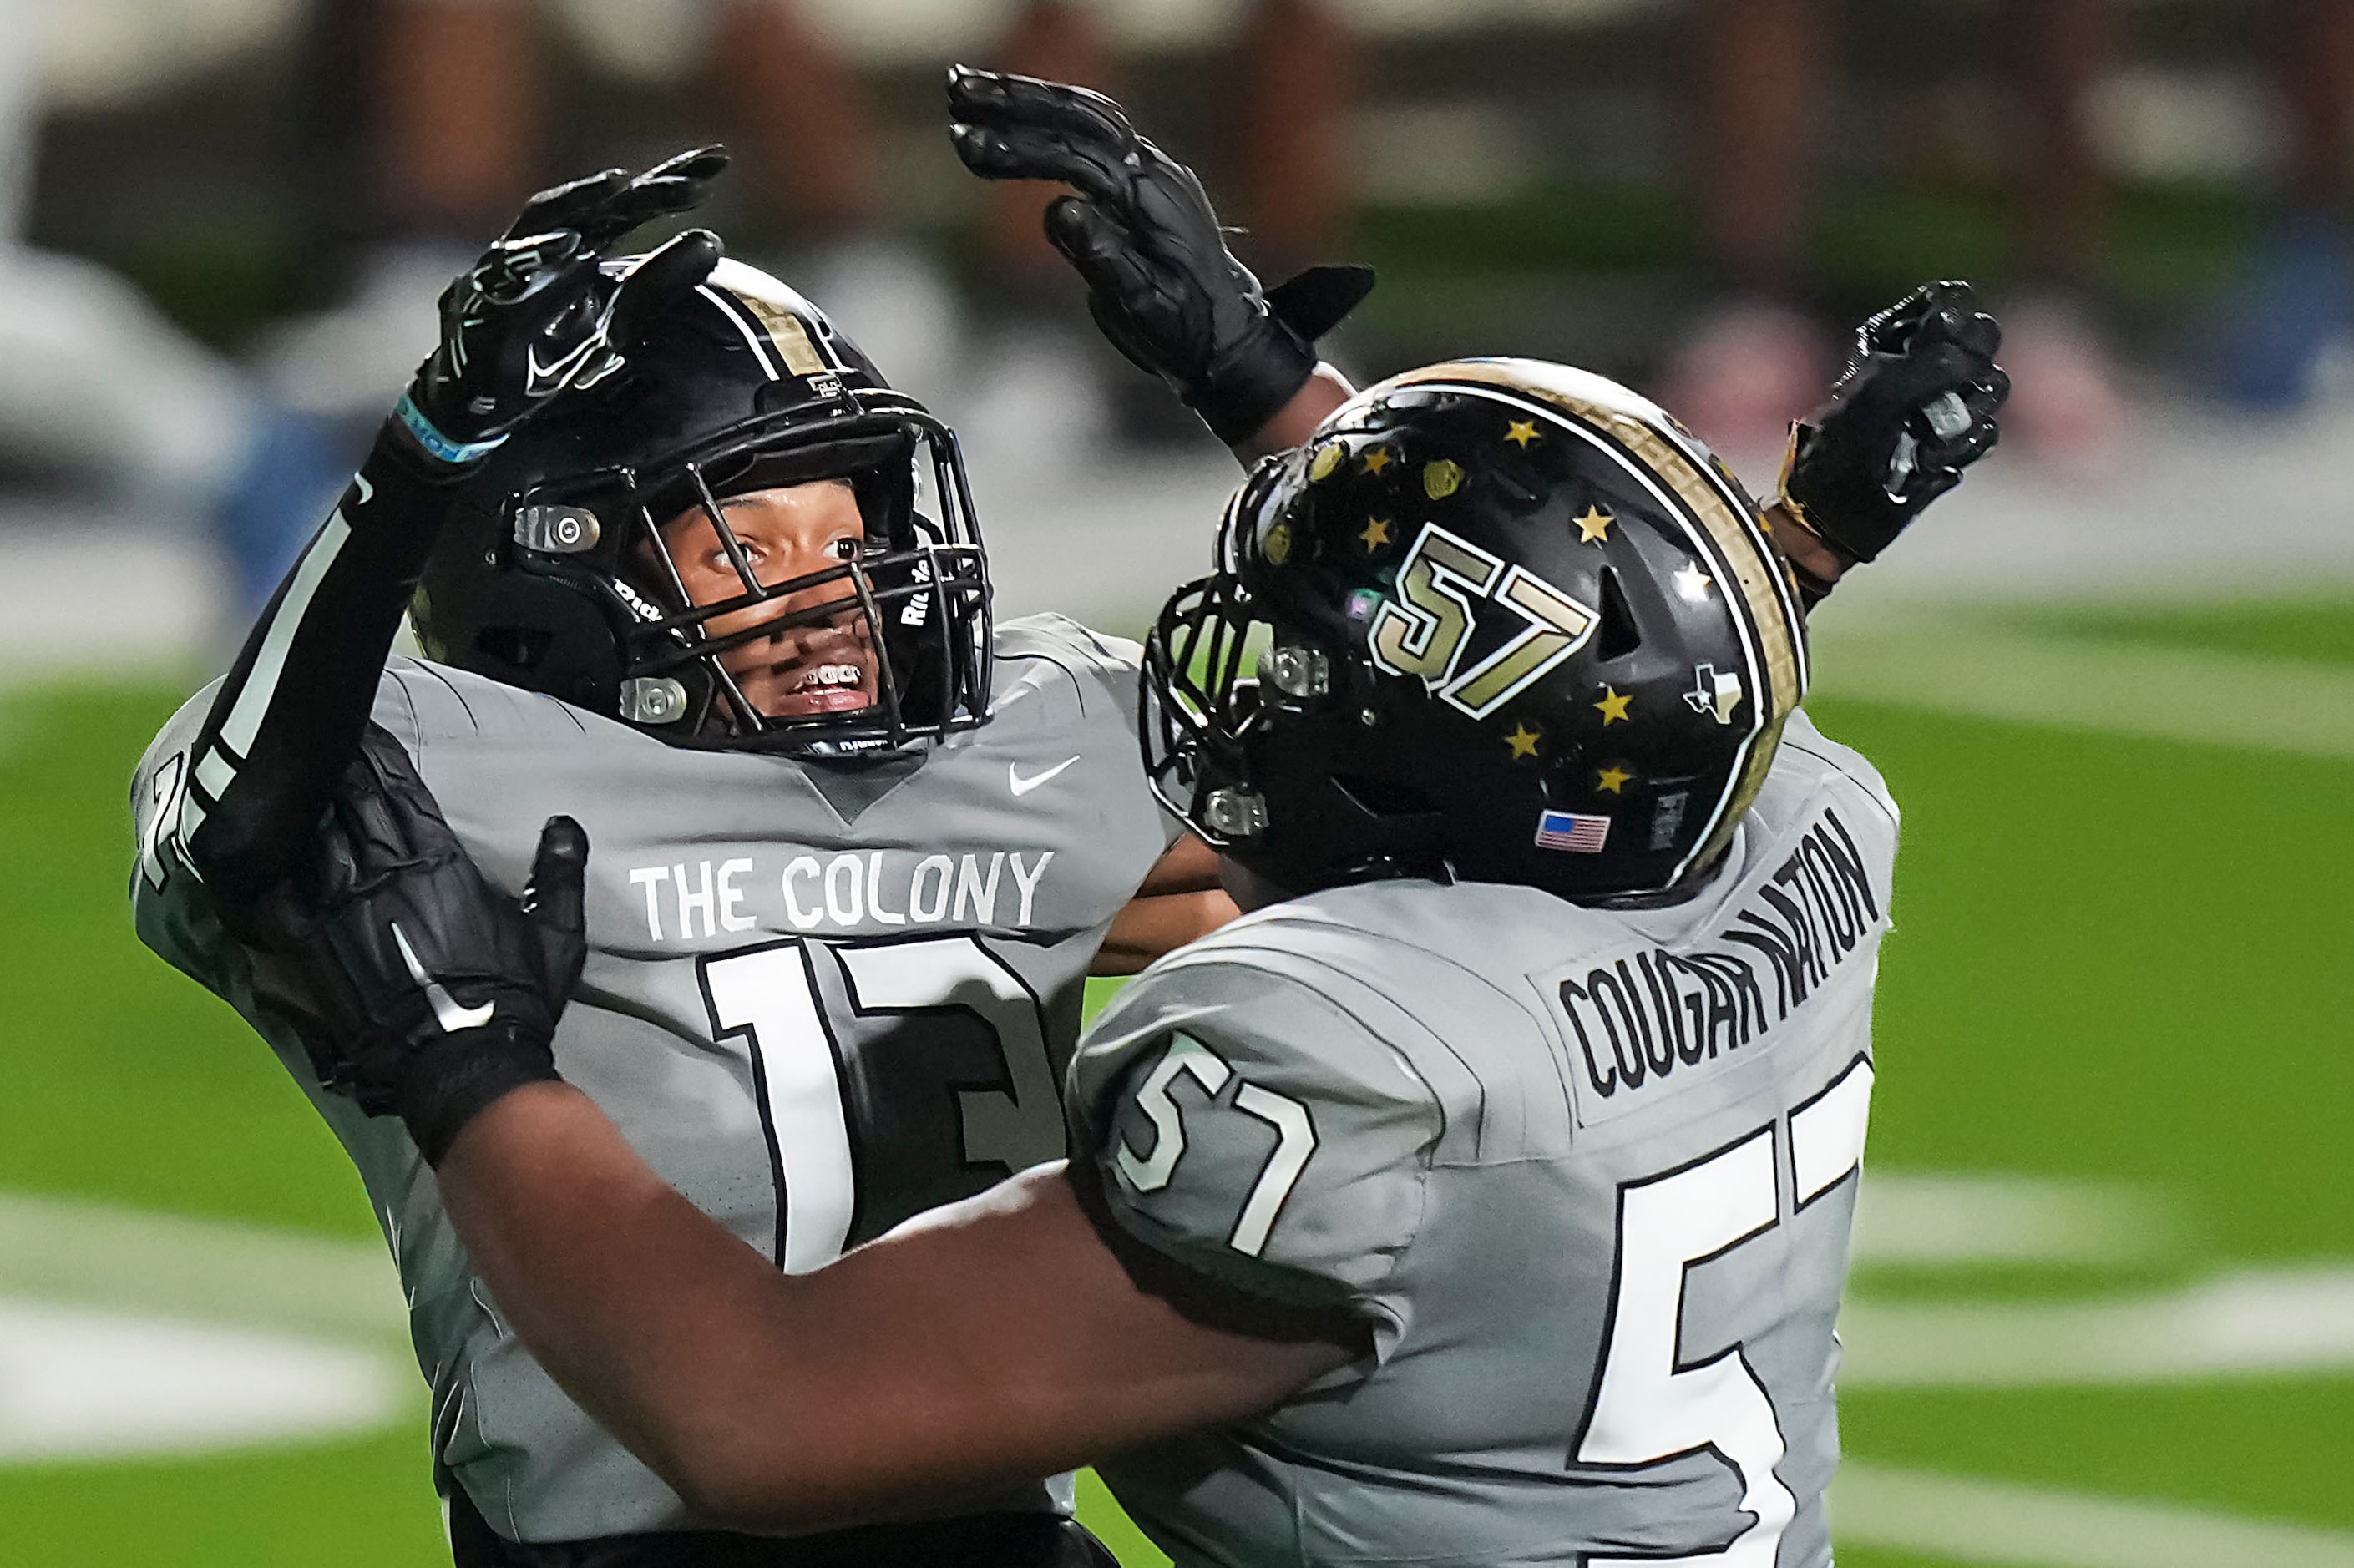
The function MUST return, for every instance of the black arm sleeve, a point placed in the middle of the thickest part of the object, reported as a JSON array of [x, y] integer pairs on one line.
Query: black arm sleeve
[[288, 718]]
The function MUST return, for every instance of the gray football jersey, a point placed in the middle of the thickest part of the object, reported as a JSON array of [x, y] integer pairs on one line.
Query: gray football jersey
[[1585, 1173], [819, 999]]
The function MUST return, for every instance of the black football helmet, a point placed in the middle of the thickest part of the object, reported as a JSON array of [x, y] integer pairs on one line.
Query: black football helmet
[[552, 573], [1498, 620]]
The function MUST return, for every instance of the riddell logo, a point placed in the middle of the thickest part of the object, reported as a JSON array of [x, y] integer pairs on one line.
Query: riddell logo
[[643, 607]]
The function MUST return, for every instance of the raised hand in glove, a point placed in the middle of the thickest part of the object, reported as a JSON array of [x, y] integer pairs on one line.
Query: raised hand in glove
[[1142, 232], [1915, 406], [540, 313], [441, 992]]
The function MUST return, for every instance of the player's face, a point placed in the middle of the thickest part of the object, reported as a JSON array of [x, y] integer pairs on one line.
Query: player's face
[[794, 531]]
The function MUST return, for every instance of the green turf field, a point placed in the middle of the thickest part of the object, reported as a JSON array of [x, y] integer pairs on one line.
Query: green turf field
[[2118, 984]]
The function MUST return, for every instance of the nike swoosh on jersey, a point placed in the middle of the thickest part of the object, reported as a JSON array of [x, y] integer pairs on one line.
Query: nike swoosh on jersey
[[446, 1011], [1021, 785]]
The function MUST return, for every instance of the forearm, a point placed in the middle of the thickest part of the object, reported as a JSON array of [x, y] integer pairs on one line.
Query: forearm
[[1146, 929], [1177, 903], [290, 712], [1325, 389], [1804, 550], [721, 1373], [640, 1307], [1180, 899], [988, 1343]]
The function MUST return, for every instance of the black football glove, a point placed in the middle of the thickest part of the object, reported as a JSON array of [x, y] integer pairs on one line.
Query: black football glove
[[1161, 282], [1915, 407], [539, 313], [440, 993]]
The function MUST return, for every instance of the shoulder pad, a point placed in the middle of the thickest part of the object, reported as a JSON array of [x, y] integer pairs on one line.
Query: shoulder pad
[[1255, 1131]]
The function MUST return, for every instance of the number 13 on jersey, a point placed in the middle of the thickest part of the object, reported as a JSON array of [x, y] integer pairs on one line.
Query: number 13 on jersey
[[817, 1130]]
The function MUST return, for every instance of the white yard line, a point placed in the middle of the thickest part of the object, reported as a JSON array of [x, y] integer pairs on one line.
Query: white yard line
[[1987, 670], [78, 1384], [209, 1271], [125, 1333], [2247, 1323], [1947, 1219], [2002, 1522]]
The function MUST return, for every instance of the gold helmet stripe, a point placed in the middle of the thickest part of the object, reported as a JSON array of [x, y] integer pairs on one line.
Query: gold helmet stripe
[[789, 333], [770, 318]]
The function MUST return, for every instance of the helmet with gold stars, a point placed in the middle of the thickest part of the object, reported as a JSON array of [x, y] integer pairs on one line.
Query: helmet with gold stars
[[1498, 621]]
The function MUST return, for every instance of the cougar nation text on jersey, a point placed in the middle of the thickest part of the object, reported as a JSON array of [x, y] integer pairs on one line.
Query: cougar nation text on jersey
[[1640, 1018]]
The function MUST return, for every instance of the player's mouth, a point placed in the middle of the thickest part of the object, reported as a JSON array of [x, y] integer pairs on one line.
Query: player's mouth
[[807, 671], [839, 680], [826, 689]]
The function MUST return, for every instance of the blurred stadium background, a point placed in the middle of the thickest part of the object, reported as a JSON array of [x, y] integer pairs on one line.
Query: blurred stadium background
[[2104, 1307]]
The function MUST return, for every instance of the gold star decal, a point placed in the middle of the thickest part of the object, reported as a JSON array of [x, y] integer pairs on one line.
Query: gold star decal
[[1522, 740], [1693, 583], [1521, 432], [1613, 781], [1376, 533], [1326, 458], [1594, 528], [1613, 707], [1377, 460]]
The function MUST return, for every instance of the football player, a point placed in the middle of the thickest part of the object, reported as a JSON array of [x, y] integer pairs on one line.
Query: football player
[[684, 556], [685, 565], [1482, 1197]]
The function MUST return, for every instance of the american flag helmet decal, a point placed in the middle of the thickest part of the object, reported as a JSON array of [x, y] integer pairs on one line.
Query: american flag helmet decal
[[1576, 831]]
